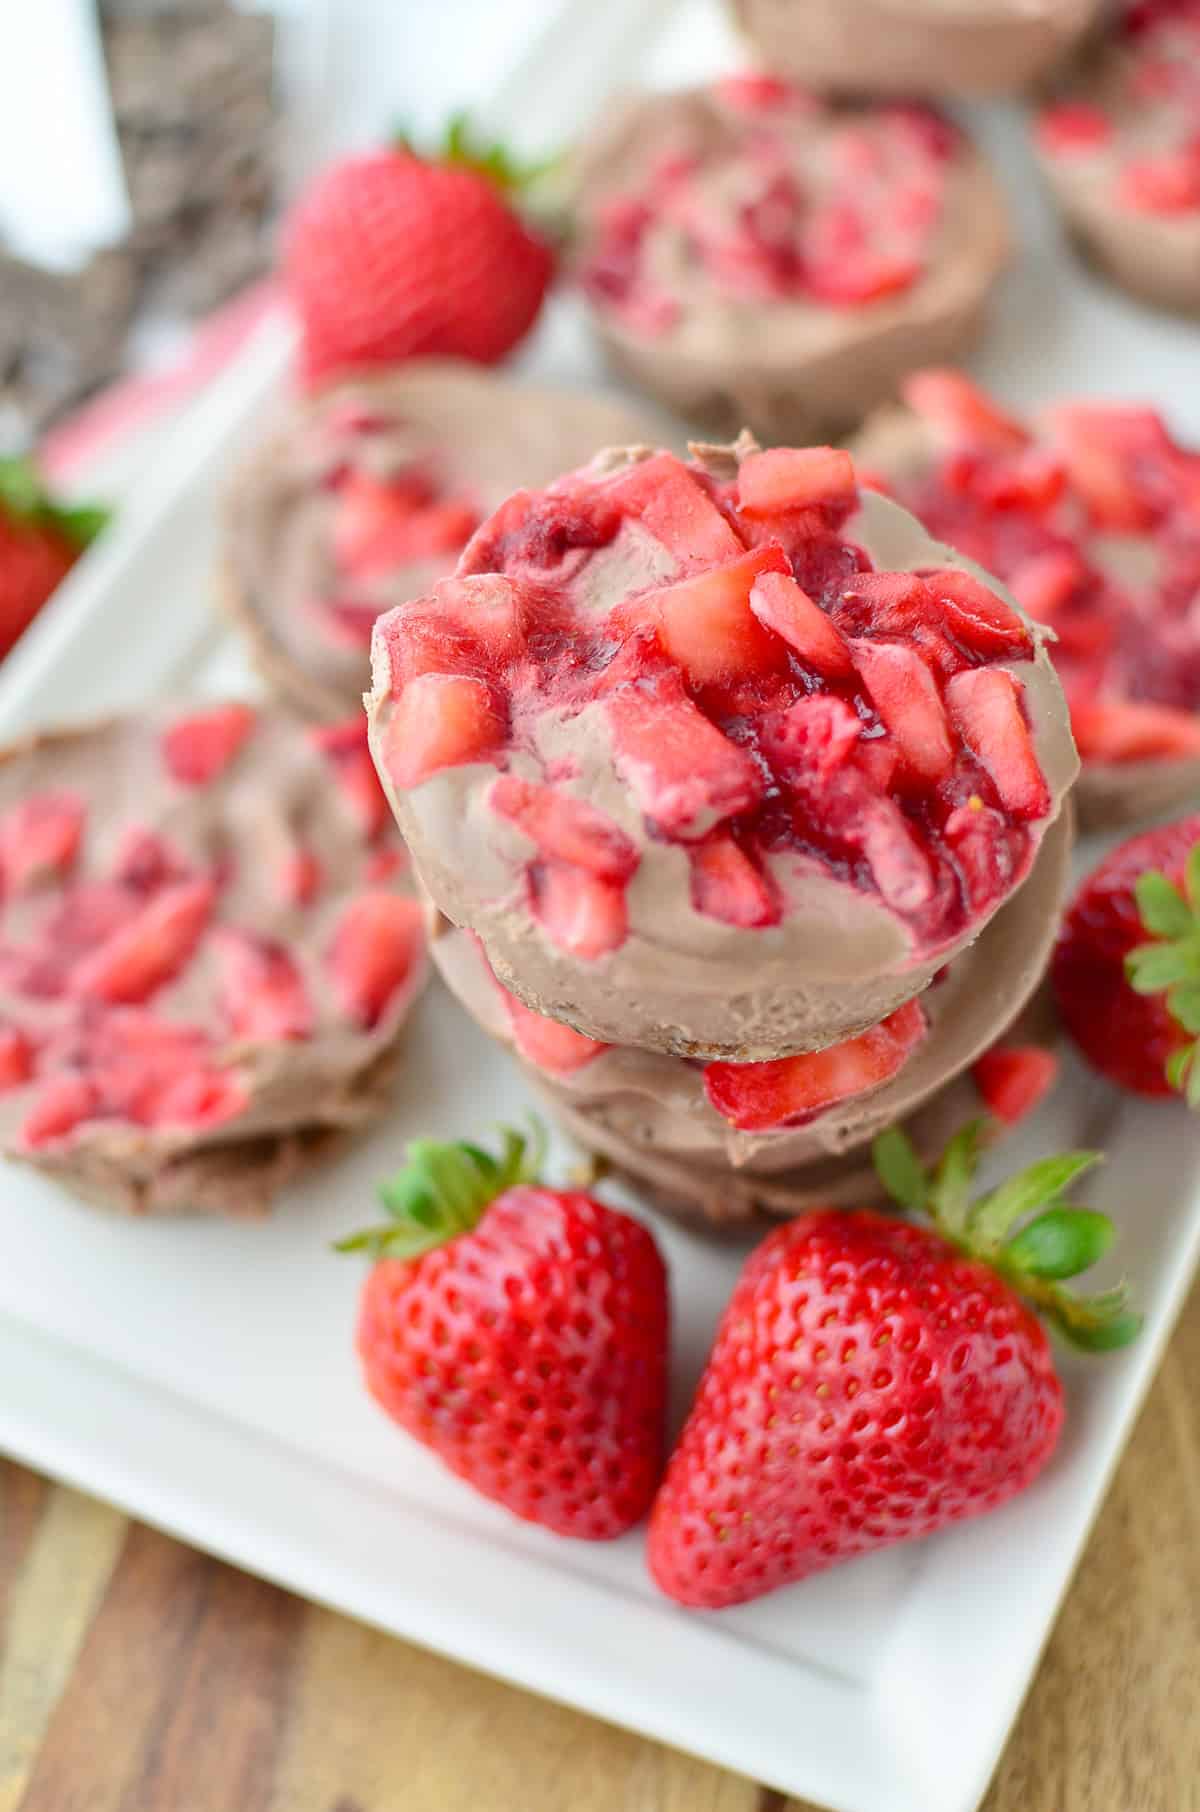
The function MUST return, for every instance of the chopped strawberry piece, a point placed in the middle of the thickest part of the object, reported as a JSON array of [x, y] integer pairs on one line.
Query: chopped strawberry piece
[[16, 1058], [726, 885], [976, 615], [884, 602], [343, 622], [1044, 583], [198, 748], [385, 865], [684, 774], [961, 410], [1014, 1079], [559, 1050], [39, 839], [580, 913], [763, 1097], [261, 991], [151, 949], [198, 1097], [1110, 729], [440, 721], [1072, 129], [795, 478], [146, 861], [376, 947], [985, 707], [781, 605], [976, 835], [870, 276], [63, 1102], [345, 745], [1094, 444], [300, 878], [877, 758], [705, 624], [1166, 184], [381, 525], [566, 829], [898, 863], [905, 694], [675, 508], [812, 739]]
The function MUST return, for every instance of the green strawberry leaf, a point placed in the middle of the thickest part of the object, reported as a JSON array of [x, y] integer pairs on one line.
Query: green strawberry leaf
[[1192, 1091], [1183, 1004], [1191, 877], [1152, 967], [1102, 1336], [1179, 1063], [443, 1191], [1162, 907], [1060, 1243], [994, 1215], [1095, 1324], [900, 1170], [950, 1190]]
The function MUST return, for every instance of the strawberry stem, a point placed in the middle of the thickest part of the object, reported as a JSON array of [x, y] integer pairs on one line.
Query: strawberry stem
[[1023, 1229], [1169, 963], [461, 144], [444, 1190]]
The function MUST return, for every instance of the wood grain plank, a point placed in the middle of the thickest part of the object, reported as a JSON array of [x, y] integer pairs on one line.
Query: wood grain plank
[[58, 1551], [377, 1726], [180, 1692]]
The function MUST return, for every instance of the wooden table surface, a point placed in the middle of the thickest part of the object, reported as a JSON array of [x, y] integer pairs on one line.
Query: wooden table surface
[[139, 1676]]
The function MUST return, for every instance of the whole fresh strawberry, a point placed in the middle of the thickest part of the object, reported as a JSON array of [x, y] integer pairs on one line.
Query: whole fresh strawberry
[[874, 1379], [392, 256], [1126, 969], [521, 1333], [39, 544]]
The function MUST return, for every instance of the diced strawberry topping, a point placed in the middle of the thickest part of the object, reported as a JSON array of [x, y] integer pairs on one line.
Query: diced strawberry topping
[[1167, 184], [905, 694], [440, 721], [565, 829], [783, 606], [385, 865], [787, 1091], [727, 885], [683, 773], [1073, 129], [1122, 729], [16, 1058], [975, 614], [705, 623], [985, 706], [151, 949], [39, 839], [555, 1048], [952, 403], [382, 525], [583, 915], [375, 949], [198, 748], [795, 478], [345, 745], [300, 878], [261, 991], [1014, 1079], [63, 1102], [673, 505]]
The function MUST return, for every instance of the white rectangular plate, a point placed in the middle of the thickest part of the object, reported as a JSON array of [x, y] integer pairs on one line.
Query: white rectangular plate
[[202, 1374]]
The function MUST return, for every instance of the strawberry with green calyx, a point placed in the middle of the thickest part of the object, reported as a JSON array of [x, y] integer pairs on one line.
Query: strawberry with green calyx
[[873, 1379], [1126, 969], [40, 542], [397, 255], [520, 1332]]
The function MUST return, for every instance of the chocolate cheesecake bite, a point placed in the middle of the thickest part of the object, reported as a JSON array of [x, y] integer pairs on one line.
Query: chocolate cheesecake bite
[[722, 758], [753, 254], [1120, 149], [206, 954], [1088, 513], [929, 47], [366, 493], [788, 1113]]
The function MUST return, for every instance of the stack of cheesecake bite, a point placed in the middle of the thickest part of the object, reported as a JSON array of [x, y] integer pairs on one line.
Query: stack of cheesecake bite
[[739, 804]]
